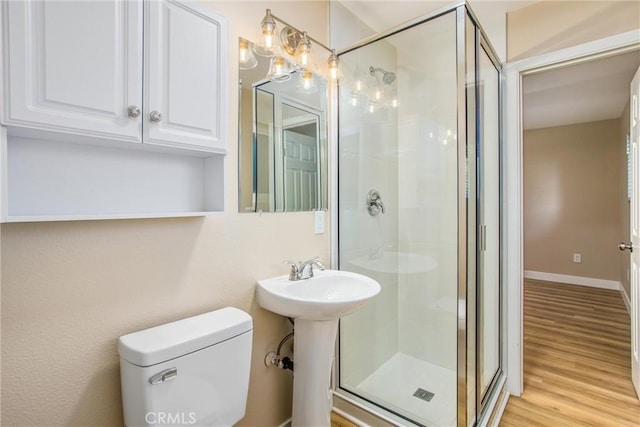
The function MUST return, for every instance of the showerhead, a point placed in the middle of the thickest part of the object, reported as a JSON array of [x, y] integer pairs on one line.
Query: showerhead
[[388, 77]]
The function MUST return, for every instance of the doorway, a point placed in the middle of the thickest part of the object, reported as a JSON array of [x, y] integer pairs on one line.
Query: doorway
[[516, 72]]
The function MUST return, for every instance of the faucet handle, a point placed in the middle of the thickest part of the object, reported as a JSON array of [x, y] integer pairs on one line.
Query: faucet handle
[[294, 273]]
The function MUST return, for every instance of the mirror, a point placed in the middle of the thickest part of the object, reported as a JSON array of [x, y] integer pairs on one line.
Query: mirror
[[282, 142]]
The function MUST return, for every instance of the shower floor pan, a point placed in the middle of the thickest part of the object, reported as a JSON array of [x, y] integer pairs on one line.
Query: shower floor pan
[[416, 389]]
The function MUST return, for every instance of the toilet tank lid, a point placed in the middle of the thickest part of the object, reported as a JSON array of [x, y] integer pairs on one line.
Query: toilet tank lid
[[161, 343]]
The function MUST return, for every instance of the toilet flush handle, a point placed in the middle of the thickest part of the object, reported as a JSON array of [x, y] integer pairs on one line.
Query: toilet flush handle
[[166, 375]]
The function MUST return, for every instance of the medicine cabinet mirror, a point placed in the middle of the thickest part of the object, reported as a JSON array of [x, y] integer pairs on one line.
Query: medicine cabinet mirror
[[282, 142]]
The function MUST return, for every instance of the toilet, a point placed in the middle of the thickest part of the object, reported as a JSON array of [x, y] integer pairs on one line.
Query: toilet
[[191, 372]]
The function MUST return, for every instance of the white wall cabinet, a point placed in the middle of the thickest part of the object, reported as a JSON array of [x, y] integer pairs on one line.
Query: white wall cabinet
[[73, 66], [107, 89], [184, 76]]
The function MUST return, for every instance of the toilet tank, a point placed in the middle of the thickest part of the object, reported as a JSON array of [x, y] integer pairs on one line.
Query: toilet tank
[[192, 372]]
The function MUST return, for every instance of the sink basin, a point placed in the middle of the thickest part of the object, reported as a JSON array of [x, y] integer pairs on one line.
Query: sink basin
[[328, 295]]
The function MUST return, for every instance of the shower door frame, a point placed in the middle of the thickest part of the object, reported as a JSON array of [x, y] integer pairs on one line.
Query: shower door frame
[[483, 409]]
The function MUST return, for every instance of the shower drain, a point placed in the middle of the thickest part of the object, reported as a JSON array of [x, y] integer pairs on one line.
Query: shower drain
[[424, 394]]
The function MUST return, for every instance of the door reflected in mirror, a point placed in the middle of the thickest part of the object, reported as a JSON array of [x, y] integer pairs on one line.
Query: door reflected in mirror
[[282, 141]]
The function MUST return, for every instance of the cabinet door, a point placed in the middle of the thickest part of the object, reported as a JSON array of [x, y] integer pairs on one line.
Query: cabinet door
[[185, 76], [73, 66]]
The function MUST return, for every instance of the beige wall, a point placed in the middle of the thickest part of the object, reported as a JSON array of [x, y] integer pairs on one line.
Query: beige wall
[[551, 25], [571, 199], [625, 207], [70, 289]]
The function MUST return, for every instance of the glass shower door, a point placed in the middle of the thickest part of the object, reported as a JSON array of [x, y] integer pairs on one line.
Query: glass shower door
[[398, 121], [488, 290]]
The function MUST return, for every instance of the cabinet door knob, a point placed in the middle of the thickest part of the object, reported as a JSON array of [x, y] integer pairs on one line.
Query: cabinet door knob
[[133, 111], [155, 116]]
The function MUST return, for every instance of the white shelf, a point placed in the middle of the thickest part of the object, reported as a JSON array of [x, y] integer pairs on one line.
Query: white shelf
[[51, 218], [46, 180]]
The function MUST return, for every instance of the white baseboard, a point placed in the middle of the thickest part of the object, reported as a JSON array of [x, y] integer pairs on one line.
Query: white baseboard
[[582, 281], [626, 299], [573, 280]]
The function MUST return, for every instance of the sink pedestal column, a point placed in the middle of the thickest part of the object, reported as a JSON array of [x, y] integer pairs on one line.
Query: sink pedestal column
[[313, 348]]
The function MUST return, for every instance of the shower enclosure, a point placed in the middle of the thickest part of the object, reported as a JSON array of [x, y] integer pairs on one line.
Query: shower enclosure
[[419, 211]]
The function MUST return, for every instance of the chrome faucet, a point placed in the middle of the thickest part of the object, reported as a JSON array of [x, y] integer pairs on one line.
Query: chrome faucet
[[304, 270]]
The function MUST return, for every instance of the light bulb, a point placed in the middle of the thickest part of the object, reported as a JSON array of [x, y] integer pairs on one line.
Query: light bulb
[[358, 85], [266, 46], [307, 78], [245, 56], [278, 66], [279, 70], [378, 94], [371, 107], [244, 52], [333, 64], [394, 103], [306, 82], [303, 51], [354, 99], [268, 39]]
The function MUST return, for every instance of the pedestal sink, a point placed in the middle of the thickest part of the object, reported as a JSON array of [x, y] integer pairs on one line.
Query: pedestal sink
[[315, 304]]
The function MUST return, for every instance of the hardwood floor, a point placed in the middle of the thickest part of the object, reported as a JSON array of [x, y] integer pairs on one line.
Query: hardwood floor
[[338, 421], [577, 363]]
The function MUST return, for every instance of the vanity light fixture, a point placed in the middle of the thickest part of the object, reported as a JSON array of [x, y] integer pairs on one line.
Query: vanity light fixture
[[293, 41], [246, 58]]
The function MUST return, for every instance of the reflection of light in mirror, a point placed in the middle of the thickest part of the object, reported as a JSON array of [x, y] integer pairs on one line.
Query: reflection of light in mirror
[[371, 106], [394, 103], [378, 94], [358, 85], [245, 56], [279, 70], [333, 64], [306, 82], [354, 99]]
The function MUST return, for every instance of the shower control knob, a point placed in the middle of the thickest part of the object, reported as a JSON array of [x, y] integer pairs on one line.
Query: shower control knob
[[155, 116]]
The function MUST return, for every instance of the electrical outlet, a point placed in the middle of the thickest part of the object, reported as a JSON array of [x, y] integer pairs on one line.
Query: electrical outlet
[[577, 258]]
